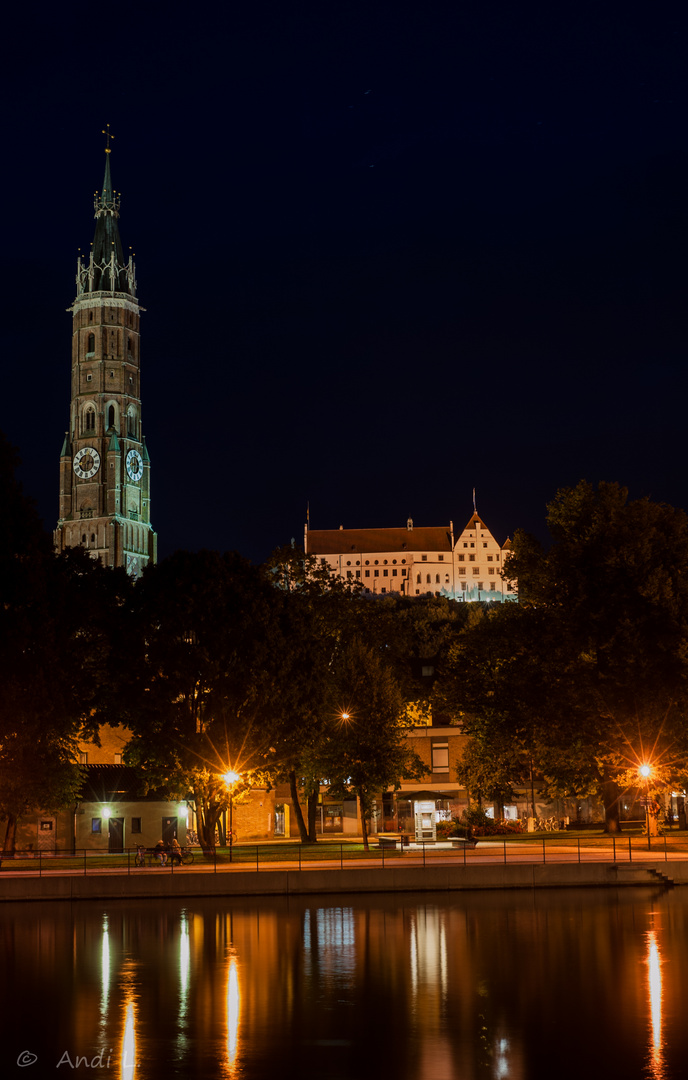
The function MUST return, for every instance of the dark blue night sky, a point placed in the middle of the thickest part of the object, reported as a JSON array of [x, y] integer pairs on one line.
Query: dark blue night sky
[[388, 253]]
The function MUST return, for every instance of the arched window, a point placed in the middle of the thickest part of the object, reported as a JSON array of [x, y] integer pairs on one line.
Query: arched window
[[418, 580], [131, 422], [427, 580], [91, 344], [111, 416], [83, 538], [93, 538], [437, 579], [90, 420]]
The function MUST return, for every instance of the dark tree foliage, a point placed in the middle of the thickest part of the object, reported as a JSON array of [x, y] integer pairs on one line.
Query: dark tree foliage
[[364, 750], [588, 674], [58, 617], [202, 687]]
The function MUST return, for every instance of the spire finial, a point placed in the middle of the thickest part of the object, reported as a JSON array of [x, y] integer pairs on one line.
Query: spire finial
[[108, 136]]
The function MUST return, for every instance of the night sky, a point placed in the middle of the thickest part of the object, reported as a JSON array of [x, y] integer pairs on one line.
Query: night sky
[[389, 253]]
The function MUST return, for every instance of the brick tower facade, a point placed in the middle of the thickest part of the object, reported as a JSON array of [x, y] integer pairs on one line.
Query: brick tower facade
[[105, 503]]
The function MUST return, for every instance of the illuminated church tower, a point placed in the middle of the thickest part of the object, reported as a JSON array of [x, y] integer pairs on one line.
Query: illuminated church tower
[[104, 466]]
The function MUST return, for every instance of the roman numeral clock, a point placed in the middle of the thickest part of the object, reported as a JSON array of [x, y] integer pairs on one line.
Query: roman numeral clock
[[105, 503]]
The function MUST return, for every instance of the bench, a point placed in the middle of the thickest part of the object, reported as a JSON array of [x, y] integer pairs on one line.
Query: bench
[[391, 840]]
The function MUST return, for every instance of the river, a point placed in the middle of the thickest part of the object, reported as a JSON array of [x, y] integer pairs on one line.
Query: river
[[541, 985]]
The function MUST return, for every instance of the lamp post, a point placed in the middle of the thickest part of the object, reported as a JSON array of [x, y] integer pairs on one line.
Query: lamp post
[[230, 778], [645, 771]]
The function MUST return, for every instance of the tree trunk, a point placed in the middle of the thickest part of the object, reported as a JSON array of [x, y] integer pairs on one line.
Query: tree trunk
[[10, 844], [611, 798], [296, 806], [364, 824], [312, 813], [207, 818]]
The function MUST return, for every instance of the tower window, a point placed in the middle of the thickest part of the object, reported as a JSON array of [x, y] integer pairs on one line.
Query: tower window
[[90, 418], [111, 416], [91, 343]]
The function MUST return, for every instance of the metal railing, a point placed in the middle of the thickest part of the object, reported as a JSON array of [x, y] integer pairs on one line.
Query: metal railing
[[293, 855]]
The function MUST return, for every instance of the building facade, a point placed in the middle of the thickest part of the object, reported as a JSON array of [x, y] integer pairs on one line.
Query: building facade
[[415, 561], [105, 499]]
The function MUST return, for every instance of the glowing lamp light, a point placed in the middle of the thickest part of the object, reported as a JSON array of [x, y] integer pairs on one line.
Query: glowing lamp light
[[345, 716], [231, 777], [107, 812], [644, 770]]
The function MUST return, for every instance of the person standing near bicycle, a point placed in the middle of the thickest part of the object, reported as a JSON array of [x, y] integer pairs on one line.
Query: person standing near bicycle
[[175, 852]]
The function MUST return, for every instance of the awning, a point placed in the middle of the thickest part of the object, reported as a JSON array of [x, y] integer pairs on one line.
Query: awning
[[425, 795]]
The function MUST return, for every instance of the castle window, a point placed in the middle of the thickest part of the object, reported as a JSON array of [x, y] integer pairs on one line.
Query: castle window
[[91, 344], [111, 416], [90, 418]]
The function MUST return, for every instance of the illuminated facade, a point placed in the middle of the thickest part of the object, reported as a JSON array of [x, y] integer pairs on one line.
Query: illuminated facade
[[105, 502], [415, 561]]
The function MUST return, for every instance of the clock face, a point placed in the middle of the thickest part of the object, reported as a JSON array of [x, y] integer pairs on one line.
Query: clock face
[[86, 462], [134, 465]]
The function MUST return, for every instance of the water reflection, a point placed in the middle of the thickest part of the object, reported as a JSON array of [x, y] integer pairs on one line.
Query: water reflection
[[475, 986], [654, 986], [233, 1003]]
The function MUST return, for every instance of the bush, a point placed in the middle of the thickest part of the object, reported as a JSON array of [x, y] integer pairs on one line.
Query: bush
[[479, 824], [445, 830]]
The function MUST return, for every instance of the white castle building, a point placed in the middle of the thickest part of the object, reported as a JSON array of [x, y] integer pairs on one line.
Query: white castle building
[[417, 561]]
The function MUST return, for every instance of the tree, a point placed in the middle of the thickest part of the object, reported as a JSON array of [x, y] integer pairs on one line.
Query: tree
[[366, 750], [589, 671], [313, 615], [58, 623], [201, 689]]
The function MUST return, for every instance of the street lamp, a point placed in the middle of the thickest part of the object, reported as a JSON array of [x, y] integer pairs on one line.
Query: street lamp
[[230, 778], [646, 771]]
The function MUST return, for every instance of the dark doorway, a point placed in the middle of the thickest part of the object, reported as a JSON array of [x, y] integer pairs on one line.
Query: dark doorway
[[169, 829], [116, 834]]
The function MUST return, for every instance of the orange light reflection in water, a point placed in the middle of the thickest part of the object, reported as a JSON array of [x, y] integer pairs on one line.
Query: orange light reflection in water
[[127, 1060], [233, 1009], [654, 987]]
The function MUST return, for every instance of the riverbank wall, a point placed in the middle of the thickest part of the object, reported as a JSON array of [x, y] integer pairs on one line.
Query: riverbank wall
[[326, 882]]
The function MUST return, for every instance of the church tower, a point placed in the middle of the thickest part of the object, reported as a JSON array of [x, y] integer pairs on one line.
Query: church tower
[[105, 500]]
